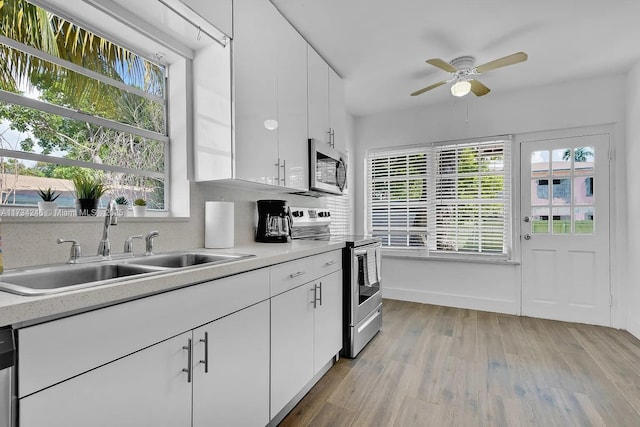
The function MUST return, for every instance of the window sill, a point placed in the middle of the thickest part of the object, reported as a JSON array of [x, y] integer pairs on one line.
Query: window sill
[[423, 255]]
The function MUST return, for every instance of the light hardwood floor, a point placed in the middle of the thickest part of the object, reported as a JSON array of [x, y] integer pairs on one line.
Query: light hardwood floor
[[440, 366]]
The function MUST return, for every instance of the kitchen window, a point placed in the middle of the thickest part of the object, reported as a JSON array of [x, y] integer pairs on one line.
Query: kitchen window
[[442, 198], [73, 102]]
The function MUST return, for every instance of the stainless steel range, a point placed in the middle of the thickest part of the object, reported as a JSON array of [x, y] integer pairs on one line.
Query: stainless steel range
[[362, 296]]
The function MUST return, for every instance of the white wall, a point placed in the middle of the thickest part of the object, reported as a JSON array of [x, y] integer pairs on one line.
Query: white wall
[[496, 287], [633, 197]]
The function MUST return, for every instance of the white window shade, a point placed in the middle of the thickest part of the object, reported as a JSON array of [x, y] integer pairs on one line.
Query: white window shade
[[447, 197]]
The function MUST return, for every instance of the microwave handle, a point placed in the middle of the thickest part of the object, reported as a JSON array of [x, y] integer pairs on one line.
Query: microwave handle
[[341, 183]]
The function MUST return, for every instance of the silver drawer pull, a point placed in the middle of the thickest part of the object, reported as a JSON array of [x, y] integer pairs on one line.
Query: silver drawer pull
[[206, 352], [294, 275], [188, 347], [329, 263]]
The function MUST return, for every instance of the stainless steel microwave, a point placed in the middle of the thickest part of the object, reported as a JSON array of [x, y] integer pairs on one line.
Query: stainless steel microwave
[[327, 169]]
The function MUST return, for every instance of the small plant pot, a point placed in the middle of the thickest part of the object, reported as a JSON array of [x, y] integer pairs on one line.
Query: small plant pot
[[123, 210], [139, 210], [86, 207], [48, 208]]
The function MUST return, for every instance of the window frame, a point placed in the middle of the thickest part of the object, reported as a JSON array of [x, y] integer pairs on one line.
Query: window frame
[[429, 249]]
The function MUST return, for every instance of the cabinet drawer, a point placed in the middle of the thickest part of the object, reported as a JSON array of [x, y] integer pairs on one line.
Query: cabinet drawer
[[54, 351], [290, 274], [327, 263]]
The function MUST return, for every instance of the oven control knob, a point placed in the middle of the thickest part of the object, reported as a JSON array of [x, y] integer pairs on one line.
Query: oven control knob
[[322, 214], [297, 213]]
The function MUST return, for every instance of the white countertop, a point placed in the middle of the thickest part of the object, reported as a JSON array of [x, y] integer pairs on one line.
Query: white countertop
[[16, 309]]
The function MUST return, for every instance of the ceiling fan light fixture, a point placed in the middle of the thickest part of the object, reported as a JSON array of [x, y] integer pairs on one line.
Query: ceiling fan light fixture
[[461, 88]]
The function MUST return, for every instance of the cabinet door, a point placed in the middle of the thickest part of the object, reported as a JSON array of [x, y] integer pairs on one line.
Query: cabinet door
[[147, 388], [337, 111], [234, 390], [291, 344], [318, 90], [328, 319], [256, 91], [292, 107]]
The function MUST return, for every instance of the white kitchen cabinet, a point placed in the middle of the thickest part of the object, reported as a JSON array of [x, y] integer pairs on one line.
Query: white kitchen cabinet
[[217, 12], [326, 107], [327, 332], [147, 388], [270, 69], [306, 324], [291, 344], [337, 111], [255, 68], [231, 370], [318, 107], [293, 151]]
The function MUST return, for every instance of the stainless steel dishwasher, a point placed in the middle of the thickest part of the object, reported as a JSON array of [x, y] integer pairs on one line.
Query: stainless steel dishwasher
[[7, 378]]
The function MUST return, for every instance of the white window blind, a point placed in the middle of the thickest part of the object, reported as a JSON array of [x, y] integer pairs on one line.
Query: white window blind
[[448, 197], [340, 209]]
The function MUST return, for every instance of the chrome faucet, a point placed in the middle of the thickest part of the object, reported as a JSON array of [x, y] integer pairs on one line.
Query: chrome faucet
[[110, 218], [76, 252], [149, 242]]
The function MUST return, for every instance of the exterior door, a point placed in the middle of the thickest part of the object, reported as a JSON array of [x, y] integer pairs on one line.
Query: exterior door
[[565, 229]]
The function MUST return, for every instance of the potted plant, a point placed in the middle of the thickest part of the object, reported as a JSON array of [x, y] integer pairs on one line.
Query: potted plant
[[123, 205], [48, 205], [139, 207], [88, 192]]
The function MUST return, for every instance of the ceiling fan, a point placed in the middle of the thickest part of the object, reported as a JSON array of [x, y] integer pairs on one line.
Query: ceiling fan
[[463, 72]]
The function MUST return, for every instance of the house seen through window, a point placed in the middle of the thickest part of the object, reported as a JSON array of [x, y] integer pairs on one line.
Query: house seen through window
[[73, 103]]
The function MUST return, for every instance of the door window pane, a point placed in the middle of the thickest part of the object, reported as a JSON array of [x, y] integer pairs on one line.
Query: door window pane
[[584, 219], [561, 220], [539, 163], [539, 192], [584, 158], [561, 162], [583, 186], [561, 191], [540, 220]]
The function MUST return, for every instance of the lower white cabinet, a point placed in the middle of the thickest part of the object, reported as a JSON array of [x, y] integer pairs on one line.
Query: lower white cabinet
[[147, 388], [162, 386], [306, 332], [231, 376]]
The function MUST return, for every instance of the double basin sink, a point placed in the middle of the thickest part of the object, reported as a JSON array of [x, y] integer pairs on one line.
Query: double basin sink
[[67, 277]]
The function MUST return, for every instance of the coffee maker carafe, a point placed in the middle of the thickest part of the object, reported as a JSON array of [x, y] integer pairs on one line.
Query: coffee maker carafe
[[273, 221]]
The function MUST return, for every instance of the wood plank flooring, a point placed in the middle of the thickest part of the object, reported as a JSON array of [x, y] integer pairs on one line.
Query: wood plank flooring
[[441, 366]]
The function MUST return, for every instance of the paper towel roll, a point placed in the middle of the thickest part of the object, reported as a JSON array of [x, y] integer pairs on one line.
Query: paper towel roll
[[218, 225]]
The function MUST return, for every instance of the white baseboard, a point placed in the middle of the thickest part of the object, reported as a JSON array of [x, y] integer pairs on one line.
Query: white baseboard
[[450, 300], [633, 327]]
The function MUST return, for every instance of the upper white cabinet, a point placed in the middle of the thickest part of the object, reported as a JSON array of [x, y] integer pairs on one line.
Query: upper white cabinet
[[327, 114], [217, 12], [270, 97]]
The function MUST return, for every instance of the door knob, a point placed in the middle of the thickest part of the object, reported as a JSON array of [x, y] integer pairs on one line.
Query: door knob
[[526, 219], [527, 236]]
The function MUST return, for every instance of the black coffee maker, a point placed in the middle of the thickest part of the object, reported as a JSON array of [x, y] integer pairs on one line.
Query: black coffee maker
[[273, 222]]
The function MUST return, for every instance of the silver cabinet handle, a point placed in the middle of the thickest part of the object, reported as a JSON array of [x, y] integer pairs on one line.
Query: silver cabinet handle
[[188, 347], [320, 287], [315, 298], [206, 352], [277, 178], [294, 275], [327, 264], [284, 172]]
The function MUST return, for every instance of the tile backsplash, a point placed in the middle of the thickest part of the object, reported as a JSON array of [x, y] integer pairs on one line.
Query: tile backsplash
[[26, 243]]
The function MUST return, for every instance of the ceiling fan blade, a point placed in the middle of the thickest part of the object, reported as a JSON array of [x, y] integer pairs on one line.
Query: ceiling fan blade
[[433, 86], [478, 88], [502, 62], [437, 62]]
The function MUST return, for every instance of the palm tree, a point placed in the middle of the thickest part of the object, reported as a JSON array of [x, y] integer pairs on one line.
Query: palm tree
[[35, 27], [580, 154]]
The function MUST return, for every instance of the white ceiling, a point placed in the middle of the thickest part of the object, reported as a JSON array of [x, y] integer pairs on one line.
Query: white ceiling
[[379, 47]]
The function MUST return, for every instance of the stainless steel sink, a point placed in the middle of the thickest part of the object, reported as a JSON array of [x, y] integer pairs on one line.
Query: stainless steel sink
[[179, 260], [61, 279], [51, 280]]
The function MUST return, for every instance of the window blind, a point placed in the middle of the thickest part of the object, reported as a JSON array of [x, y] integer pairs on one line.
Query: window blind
[[450, 197], [340, 209]]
